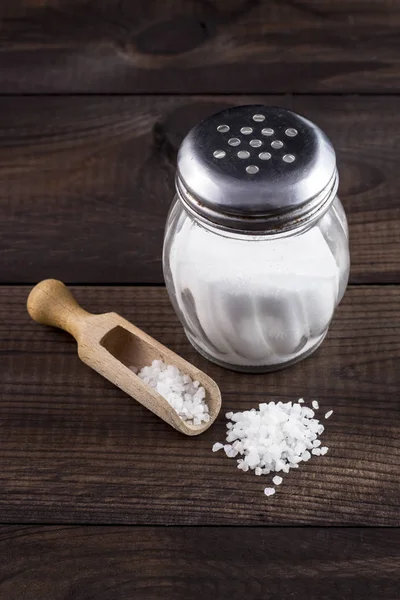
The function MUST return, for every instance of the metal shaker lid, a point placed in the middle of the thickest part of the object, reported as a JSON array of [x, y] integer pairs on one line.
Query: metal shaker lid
[[257, 168]]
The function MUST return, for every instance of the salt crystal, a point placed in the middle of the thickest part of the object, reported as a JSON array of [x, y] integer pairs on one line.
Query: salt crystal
[[277, 480], [300, 400], [324, 450], [242, 465], [328, 414], [185, 396], [269, 491], [307, 412], [315, 404], [217, 446], [229, 451]]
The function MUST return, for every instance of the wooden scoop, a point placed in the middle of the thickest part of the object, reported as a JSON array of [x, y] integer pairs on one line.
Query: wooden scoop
[[110, 344]]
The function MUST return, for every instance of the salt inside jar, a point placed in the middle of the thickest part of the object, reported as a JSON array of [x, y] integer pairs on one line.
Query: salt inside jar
[[256, 252]]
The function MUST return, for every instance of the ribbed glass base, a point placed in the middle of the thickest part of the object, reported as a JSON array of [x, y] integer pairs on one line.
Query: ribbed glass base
[[263, 368]]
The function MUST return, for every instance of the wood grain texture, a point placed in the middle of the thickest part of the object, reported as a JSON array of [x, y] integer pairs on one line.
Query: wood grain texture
[[187, 46], [122, 563], [86, 183], [75, 449]]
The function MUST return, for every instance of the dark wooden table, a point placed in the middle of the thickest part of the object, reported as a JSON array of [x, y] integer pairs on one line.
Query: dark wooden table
[[95, 99]]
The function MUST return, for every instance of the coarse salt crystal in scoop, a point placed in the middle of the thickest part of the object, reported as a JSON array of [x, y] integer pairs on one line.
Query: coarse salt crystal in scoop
[[185, 396]]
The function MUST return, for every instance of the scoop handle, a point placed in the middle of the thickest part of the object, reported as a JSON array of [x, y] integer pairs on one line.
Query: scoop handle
[[51, 303]]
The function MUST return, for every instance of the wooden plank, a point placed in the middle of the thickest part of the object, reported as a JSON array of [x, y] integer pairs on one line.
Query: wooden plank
[[185, 46], [121, 563], [75, 449], [86, 182]]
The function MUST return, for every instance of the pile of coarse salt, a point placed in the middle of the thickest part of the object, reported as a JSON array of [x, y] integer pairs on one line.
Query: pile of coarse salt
[[275, 438], [185, 396]]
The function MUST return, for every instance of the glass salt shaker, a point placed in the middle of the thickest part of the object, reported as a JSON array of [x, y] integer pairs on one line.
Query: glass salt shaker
[[256, 254]]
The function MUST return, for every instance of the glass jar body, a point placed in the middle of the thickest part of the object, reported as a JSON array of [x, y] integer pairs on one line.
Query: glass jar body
[[255, 302]]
